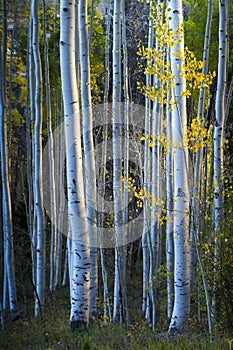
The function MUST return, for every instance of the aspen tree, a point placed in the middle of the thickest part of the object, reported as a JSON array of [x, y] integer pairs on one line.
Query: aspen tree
[[125, 155], [89, 158], [9, 286], [218, 137], [108, 18], [79, 252], [146, 185], [37, 180], [169, 212], [117, 156], [157, 114], [53, 209], [181, 191]]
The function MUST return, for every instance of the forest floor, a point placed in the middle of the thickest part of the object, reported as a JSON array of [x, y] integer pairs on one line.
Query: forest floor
[[52, 332]]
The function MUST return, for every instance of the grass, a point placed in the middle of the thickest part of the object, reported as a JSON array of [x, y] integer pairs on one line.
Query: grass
[[53, 333]]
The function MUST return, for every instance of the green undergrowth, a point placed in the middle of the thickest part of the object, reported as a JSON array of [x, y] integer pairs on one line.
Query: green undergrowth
[[53, 332]]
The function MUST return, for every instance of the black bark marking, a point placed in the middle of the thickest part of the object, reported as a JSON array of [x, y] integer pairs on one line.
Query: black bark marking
[[85, 279], [180, 193], [78, 255]]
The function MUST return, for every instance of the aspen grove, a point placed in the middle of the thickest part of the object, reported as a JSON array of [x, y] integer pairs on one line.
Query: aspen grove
[[116, 169]]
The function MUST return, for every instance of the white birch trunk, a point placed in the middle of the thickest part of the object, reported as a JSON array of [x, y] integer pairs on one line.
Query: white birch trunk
[[30, 148], [117, 166], [80, 264], [181, 191], [38, 199], [126, 150], [60, 220], [169, 213], [52, 183], [9, 295], [107, 51], [218, 138], [146, 186], [89, 157], [154, 227]]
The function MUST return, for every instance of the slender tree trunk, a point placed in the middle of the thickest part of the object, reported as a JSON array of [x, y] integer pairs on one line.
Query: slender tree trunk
[[126, 152], [101, 186], [181, 191], [169, 206], [107, 51], [10, 295], [117, 156], [31, 149], [146, 186], [53, 210], [38, 199], [80, 263], [218, 139], [61, 210], [90, 176]]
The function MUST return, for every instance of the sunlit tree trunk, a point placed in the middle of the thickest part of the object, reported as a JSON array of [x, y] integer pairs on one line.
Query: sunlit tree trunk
[[30, 149], [59, 148], [9, 295], [147, 187], [155, 187], [89, 157], [169, 213], [117, 130], [80, 263], [218, 138], [107, 51], [61, 216], [37, 182], [101, 183], [53, 210], [181, 191], [125, 155]]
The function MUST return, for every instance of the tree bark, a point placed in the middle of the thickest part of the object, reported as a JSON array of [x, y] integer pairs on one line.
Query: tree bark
[[218, 137], [38, 192], [80, 263], [9, 295], [89, 157], [181, 191]]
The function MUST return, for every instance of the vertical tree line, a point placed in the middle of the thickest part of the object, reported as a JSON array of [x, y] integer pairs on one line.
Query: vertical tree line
[[144, 192]]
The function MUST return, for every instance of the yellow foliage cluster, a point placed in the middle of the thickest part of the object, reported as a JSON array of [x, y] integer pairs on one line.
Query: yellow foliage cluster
[[195, 79], [162, 140], [197, 135], [159, 66]]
